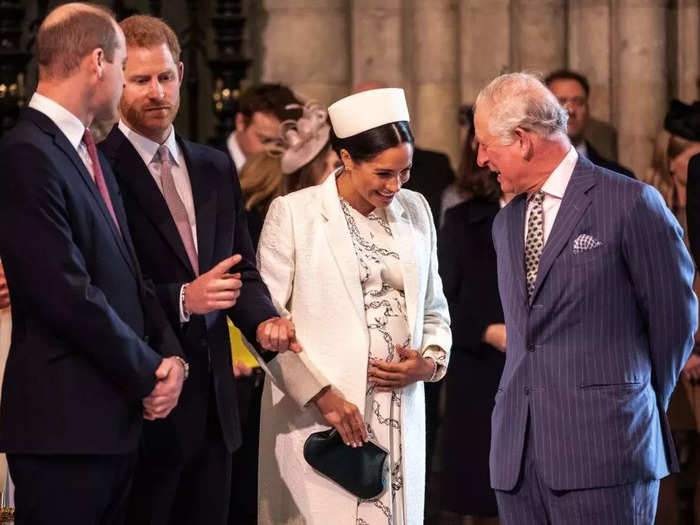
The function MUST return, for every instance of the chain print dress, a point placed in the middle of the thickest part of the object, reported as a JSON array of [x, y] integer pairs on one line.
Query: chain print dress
[[385, 309]]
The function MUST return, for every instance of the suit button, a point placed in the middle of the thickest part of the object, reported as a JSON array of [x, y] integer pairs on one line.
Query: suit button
[[203, 342], [527, 390], [146, 339], [530, 348]]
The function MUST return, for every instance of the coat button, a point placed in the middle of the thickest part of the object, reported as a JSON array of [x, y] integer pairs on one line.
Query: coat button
[[203, 342], [527, 390], [146, 339], [530, 348]]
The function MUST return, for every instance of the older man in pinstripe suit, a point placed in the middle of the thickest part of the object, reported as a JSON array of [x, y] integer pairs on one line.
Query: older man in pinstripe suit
[[596, 289]]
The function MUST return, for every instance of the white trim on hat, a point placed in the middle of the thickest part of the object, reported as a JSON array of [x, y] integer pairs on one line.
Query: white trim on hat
[[366, 110]]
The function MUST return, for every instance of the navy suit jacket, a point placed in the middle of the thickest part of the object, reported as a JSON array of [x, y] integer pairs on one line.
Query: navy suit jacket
[[221, 232], [594, 355], [78, 365]]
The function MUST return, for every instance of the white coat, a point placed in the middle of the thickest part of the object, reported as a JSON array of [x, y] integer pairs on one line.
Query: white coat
[[307, 260]]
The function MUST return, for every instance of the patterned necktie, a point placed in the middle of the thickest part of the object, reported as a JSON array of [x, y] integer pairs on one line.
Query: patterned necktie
[[99, 176], [534, 242], [176, 207]]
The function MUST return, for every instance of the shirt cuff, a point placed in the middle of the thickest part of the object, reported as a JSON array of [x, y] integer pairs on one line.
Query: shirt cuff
[[184, 316], [438, 355]]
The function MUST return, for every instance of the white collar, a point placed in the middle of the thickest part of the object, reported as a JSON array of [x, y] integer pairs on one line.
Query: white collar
[[557, 182], [148, 149], [234, 149], [70, 125]]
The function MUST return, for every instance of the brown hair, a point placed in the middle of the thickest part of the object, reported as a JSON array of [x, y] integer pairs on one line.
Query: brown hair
[[63, 43], [269, 98], [149, 31], [261, 181]]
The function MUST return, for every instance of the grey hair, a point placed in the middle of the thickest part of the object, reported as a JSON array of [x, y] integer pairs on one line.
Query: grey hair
[[521, 100]]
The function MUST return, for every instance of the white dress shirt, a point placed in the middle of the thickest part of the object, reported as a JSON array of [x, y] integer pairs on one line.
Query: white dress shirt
[[236, 152], [148, 151], [70, 125], [554, 188]]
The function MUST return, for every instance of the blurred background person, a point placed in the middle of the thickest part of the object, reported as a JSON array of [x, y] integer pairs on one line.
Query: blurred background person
[[572, 90], [679, 501], [468, 270], [469, 171], [261, 109]]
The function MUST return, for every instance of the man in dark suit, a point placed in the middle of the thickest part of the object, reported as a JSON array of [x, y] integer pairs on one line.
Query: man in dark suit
[[187, 219], [596, 288], [80, 376], [572, 91]]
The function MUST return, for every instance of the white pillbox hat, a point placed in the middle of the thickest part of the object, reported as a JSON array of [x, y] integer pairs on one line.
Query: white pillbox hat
[[366, 110]]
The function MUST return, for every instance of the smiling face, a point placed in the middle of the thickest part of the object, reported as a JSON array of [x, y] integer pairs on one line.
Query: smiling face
[[151, 95], [374, 183], [504, 160]]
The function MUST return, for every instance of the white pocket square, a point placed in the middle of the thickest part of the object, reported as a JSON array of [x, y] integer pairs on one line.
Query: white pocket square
[[585, 242]]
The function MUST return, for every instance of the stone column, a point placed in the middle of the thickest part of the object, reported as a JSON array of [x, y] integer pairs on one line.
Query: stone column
[[435, 67], [377, 47], [639, 78], [485, 42], [306, 46], [539, 35], [688, 59], [589, 50]]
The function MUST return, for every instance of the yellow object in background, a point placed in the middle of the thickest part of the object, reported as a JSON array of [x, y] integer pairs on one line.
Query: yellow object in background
[[239, 352]]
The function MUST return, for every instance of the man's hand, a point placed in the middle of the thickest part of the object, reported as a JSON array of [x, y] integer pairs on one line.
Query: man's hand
[[170, 375], [342, 415], [215, 289], [241, 369], [495, 335], [278, 334], [412, 368], [4, 291]]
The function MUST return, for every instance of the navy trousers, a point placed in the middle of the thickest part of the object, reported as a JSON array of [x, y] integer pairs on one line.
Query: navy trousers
[[531, 502]]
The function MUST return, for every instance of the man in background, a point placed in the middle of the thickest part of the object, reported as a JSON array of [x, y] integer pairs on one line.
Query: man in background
[[572, 90], [262, 108], [80, 376]]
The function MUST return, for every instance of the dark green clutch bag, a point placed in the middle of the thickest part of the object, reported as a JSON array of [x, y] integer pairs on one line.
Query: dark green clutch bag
[[359, 470]]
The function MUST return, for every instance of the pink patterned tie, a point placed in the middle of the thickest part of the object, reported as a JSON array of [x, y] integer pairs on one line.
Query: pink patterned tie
[[98, 175], [176, 207]]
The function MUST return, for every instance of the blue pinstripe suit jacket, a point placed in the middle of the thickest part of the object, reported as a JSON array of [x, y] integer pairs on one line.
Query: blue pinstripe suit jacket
[[594, 355]]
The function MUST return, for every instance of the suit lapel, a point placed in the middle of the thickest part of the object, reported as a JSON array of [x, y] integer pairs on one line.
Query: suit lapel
[[516, 242], [62, 143], [340, 244], [406, 245], [130, 168], [573, 205], [205, 203]]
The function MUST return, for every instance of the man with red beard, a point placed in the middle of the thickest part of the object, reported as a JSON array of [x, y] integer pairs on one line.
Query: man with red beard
[[188, 223]]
